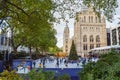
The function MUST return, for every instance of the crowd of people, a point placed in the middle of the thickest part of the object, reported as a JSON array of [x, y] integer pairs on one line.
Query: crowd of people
[[56, 62]]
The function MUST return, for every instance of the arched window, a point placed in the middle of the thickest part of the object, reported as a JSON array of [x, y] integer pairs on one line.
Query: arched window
[[80, 18], [89, 19], [84, 46], [99, 20], [91, 38], [66, 42], [96, 19], [91, 46], [97, 45], [84, 19], [66, 46], [97, 38], [84, 38]]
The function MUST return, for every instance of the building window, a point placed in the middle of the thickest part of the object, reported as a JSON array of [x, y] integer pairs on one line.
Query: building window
[[89, 18], [84, 46], [97, 45], [114, 37], [96, 19], [66, 46], [80, 19], [84, 19], [91, 46], [119, 34], [83, 27], [108, 39], [99, 20], [91, 38], [96, 28], [66, 42], [97, 38], [84, 38]]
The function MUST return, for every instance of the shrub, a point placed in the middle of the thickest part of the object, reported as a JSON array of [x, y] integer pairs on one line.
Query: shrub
[[40, 75], [106, 68], [64, 77], [6, 75]]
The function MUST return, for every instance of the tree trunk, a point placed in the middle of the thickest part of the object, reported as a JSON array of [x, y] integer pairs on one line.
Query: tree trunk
[[30, 49], [37, 50], [15, 50], [13, 43]]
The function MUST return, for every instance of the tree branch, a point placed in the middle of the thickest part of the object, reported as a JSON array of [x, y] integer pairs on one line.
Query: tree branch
[[17, 8], [17, 16]]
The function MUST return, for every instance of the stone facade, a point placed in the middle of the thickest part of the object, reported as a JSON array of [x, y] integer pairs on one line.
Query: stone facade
[[89, 32]]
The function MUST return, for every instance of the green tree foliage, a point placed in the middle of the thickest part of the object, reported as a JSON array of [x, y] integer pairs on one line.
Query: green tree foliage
[[106, 68], [6, 75], [54, 50], [32, 75], [73, 53], [30, 23], [64, 77], [40, 75]]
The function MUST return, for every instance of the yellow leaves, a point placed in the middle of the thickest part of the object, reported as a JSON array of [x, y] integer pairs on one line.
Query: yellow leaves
[[6, 75], [0, 78]]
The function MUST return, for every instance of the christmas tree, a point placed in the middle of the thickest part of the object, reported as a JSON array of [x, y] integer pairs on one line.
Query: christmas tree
[[73, 53]]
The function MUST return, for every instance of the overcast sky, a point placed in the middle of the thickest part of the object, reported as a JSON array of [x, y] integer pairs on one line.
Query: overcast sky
[[60, 27]]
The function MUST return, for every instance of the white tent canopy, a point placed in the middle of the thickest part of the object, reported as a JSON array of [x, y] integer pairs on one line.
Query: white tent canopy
[[105, 49]]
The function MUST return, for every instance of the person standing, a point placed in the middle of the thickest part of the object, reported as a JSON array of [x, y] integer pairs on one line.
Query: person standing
[[34, 63], [77, 63], [40, 65]]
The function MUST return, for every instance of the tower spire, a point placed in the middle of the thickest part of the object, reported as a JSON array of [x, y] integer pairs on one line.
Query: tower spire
[[66, 39]]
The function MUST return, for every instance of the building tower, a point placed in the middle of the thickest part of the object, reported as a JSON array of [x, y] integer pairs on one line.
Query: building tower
[[89, 31], [66, 40]]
